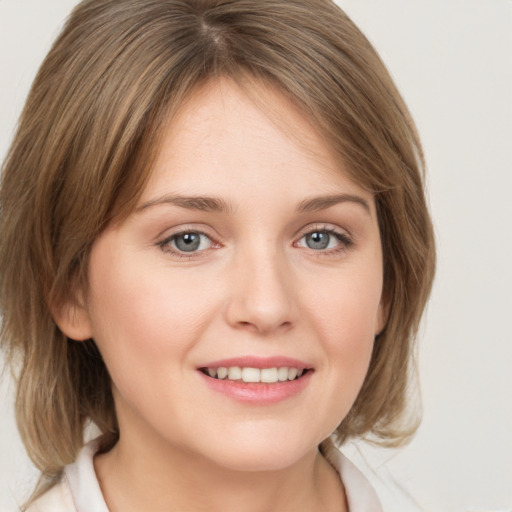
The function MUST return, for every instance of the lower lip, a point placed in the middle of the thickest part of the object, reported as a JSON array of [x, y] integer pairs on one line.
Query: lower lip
[[258, 393]]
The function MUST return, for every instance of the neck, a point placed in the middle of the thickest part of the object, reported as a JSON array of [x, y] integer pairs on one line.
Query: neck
[[133, 478]]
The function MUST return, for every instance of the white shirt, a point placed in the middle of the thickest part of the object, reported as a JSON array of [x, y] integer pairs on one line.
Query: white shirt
[[79, 490]]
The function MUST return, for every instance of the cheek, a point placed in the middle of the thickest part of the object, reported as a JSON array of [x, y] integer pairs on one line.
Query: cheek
[[346, 317], [348, 335], [144, 330], [348, 308], [144, 315]]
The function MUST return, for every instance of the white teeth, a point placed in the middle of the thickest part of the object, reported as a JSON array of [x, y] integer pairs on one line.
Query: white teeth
[[282, 374], [234, 373], [248, 374], [269, 375], [292, 373], [222, 372], [251, 375]]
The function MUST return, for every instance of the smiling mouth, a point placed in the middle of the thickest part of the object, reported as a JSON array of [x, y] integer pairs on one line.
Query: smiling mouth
[[248, 374]]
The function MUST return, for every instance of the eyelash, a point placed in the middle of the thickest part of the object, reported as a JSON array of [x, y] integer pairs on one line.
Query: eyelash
[[345, 242], [167, 248]]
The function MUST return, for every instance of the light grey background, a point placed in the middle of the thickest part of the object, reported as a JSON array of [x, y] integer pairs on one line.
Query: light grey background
[[452, 60]]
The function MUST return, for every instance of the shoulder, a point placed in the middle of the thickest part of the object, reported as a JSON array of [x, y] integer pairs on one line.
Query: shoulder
[[57, 499]]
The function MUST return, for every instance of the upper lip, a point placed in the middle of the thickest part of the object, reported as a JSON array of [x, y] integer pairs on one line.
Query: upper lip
[[258, 362]]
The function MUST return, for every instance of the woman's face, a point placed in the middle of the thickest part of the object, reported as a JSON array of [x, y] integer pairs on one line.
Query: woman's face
[[251, 253]]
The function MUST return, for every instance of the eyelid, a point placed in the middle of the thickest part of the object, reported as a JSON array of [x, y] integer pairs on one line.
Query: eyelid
[[323, 226], [180, 229]]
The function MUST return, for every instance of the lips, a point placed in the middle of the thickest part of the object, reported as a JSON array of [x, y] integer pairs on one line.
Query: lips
[[257, 380]]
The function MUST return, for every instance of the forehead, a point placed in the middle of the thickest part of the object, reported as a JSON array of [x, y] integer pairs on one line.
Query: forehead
[[225, 137]]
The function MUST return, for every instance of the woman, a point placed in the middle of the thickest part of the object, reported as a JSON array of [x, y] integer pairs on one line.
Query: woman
[[215, 247]]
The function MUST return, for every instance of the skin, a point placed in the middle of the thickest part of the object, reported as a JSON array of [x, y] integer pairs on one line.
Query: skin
[[256, 287]]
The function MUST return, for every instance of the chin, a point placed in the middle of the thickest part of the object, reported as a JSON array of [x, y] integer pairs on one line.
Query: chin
[[260, 462], [261, 452]]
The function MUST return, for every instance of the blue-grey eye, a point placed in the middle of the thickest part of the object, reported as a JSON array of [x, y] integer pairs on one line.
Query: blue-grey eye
[[321, 240], [318, 240], [190, 241]]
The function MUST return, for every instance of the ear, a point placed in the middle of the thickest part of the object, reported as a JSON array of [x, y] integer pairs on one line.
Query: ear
[[73, 320], [382, 316]]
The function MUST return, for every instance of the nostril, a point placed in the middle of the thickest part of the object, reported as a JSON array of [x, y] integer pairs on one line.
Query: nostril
[[263, 328], [260, 307]]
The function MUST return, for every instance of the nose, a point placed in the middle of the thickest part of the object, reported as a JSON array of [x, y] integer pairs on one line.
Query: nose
[[261, 297]]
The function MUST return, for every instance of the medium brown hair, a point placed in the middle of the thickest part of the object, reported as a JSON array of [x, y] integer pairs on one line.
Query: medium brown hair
[[83, 152]]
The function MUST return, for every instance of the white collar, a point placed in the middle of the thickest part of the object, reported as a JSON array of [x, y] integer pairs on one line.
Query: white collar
[[361, 496], [83, 483], [87, 495]]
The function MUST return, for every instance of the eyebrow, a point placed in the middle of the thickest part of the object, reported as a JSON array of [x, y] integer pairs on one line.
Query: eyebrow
[[217, 205], [319, 203], [202, 203]]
